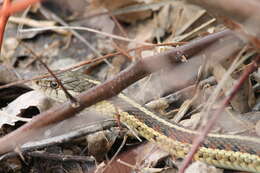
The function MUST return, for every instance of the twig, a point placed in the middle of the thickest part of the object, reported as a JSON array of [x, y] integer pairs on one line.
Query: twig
[[31, 22], [89, 129], [123, 52], [110, 88], [199, 139], [61, 157], [80, 28], [119, 26]]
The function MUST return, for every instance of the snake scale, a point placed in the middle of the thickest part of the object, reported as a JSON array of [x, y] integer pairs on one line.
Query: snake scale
[[224, 151]]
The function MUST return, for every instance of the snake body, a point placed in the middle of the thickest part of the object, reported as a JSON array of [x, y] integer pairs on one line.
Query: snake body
[[224, 151]]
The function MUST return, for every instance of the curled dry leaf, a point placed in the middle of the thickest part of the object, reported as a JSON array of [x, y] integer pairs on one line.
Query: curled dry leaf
[[10, 114]]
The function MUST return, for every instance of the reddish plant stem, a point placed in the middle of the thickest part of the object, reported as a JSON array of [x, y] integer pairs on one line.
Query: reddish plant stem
[[17, 6], [199, 139], [3, 20]]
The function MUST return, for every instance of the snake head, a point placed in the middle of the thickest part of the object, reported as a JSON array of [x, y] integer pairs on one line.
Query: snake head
[[74, 82]]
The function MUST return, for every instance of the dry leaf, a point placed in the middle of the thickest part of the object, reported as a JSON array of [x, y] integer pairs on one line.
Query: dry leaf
[[112, 5], [100, 143], [199, 167], [9, 114], [241, 99]]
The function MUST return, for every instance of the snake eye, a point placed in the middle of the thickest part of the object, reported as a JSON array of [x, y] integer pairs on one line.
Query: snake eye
[[54, 85]]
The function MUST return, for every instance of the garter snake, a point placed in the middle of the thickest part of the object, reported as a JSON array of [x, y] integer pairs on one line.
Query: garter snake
[[224, 151]]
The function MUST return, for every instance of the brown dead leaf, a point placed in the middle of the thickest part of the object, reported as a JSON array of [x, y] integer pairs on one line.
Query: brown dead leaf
[[241, 100], [116, 4], [144, 32], [141, 158]]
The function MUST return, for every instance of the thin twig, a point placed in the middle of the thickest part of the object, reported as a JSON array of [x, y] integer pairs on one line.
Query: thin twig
[[80, 28], [123, 52], [61, 157], [120, 27]]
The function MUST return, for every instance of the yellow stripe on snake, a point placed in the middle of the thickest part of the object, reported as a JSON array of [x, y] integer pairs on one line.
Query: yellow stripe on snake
[[224, 151]]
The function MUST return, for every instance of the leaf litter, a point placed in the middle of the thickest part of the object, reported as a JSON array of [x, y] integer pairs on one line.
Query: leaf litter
[[145, 21]]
